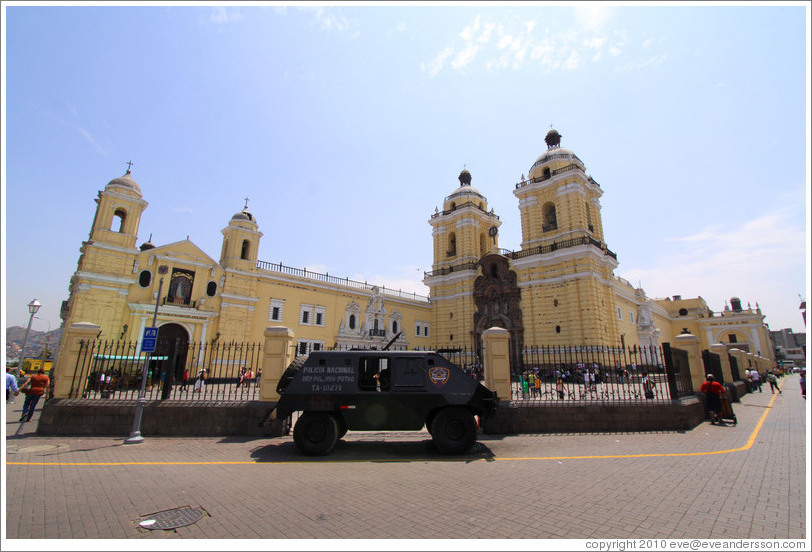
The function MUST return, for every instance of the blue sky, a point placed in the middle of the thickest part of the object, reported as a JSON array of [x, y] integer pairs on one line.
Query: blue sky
[[347, 125]]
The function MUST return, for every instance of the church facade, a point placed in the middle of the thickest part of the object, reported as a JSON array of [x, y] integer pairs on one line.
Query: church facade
[[558, 288]]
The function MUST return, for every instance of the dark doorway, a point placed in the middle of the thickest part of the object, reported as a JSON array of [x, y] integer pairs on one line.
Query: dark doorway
[[173, 343]]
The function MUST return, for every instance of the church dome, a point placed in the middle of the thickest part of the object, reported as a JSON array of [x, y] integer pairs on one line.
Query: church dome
[[244, 215], [465, 187], [147, 245], [125, 181], [554, 158]]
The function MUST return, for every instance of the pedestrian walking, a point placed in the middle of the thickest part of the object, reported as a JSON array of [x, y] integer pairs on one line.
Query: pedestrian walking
[[184, 380], [773, 381], [34, 387], [756, 380], [559, 388], [200, 380], [11, 384], [803, 383], [713, 391]]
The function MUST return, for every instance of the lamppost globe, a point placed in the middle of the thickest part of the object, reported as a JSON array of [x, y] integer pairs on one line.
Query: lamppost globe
[[33, 307]]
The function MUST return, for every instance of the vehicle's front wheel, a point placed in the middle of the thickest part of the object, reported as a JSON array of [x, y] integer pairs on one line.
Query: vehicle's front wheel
[[453, 430], [315, 433]]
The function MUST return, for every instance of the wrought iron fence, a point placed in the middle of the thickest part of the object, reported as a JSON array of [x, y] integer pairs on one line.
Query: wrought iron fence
[[560, 375], [178, 370], [111, 369]]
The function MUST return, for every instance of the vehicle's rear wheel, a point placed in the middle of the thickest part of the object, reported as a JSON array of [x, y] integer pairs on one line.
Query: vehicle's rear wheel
[[342, 426], [453, 430], [315, 433]]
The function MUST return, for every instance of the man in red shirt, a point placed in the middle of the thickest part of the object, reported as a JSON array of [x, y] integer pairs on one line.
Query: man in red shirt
[[713, 392], [34, 388]]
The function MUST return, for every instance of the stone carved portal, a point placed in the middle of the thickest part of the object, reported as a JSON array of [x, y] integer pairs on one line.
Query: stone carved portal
[[496, 297]]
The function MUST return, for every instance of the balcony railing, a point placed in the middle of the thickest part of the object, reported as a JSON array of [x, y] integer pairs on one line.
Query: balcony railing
[[178, 302], [555, 246], [310, 275], [449, 269]]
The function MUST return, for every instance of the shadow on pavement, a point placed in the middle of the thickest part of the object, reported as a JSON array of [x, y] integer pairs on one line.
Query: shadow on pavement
[[371, 450]]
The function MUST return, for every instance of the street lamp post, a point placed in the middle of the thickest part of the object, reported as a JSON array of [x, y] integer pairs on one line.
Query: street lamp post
[[33, 307], [135, 435]]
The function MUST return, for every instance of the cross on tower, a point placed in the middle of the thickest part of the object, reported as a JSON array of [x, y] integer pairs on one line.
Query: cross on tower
[[129, 165], [246, 203]]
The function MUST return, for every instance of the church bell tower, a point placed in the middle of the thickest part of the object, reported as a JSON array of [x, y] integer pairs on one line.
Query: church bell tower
[[463, 232]]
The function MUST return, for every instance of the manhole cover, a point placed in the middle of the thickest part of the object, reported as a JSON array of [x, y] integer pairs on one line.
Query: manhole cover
[[35, 448], [170, 519]]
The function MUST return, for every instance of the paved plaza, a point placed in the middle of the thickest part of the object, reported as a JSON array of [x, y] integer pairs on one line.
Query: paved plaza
[[744, 481]]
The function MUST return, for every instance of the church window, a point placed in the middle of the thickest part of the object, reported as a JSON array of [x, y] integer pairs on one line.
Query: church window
[[546, 172], [352, 321], [120, 214], [275, 309], [211, 289], [683, 312], [589, 218], [494, 271], [631, 317], [452, 245], [246, 245], [558, 329], [732, 338], [305, 317], [145, 278], [417, 329], [394, 326], [319, 317], [549, 221], [619, 314]]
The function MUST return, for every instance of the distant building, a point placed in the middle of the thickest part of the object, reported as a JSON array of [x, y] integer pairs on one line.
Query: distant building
[[790, 347], [559, 288]]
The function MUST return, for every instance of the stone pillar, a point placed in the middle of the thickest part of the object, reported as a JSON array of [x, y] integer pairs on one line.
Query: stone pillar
[[65, 368], [496, 361], [721, 350], [277, 356], [690, 344]]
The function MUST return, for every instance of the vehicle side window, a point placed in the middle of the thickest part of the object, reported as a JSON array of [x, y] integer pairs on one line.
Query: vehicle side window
[[374, 374], [409, 373]]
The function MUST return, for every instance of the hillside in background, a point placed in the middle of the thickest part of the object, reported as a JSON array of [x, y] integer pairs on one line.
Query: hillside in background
[[34, 346]]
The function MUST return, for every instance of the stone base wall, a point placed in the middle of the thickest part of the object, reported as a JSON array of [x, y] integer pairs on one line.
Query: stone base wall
[[512, 419], [160, 418], [251, 418]]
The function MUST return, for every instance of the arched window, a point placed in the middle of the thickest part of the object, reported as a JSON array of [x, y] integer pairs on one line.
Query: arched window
[[394, 326], [494, 271], [211, 289], [352, 321], [120, 214], [144, 278], [246, 245], [546, 172], [589, 218], [549, 221], [452, 245]]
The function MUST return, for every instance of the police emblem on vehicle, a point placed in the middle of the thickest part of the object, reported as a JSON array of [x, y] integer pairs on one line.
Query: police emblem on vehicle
[[439, 375]]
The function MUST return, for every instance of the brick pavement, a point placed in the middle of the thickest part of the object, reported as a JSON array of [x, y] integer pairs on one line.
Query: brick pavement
[[743, 481]]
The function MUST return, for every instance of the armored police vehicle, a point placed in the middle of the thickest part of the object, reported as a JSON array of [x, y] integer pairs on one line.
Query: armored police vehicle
[[336, 391]]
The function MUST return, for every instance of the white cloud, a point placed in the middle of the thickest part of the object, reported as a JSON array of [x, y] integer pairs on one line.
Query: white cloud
[[554, 49], [591, 15], [465, 57], [436, 65], [758, 261], [222, 15]]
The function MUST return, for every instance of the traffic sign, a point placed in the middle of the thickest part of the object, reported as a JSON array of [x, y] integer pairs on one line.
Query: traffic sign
[[149, 340]]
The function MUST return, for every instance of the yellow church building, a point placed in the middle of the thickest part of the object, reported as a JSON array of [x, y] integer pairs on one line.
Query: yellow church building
[[558, 288]]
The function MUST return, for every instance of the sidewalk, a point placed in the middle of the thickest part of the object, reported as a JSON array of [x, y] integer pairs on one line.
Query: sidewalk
[[742, 481]]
